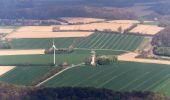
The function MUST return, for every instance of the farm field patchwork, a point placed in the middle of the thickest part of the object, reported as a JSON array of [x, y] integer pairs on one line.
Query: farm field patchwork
[[121, 76], [25, 75], [74, 58], [94, 41]]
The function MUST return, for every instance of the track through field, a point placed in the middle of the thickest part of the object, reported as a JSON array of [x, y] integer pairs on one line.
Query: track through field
[[122, 76]]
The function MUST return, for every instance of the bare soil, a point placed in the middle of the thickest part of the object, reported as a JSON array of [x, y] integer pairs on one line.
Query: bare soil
[[5, 69], [44, 32], [21, 52], [131, 57]]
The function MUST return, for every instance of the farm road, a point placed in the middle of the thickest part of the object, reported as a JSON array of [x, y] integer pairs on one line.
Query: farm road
[[39, 84]]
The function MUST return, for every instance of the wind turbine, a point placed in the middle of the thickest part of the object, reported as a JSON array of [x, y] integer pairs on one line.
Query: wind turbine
[[54, 48]]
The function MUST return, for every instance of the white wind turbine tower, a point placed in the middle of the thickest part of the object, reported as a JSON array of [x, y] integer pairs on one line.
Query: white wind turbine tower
[[54, 48]]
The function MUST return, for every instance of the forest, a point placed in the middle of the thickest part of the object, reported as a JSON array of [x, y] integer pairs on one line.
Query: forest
[[161, 42], [42, 9], [12, 92]]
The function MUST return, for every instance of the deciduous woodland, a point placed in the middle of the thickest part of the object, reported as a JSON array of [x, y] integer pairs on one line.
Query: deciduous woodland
[[161, 41], [11, 92]]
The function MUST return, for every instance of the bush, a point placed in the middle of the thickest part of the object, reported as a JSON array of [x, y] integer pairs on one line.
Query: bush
[[162, 51], [4, 45], [105, 60]]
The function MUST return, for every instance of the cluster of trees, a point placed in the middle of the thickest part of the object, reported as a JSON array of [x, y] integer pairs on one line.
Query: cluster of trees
[[105, 60], [27, 22], [102, 60], [5, 44], [68, 50], [162, 51], [11, 92], [130, 28], [161, 42], [49, 74]]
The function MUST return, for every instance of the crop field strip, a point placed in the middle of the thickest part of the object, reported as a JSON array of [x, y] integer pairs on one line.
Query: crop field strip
[[25, 75], [117, 41], [94, 41], [78, 56], [122, 76], [41, 43]]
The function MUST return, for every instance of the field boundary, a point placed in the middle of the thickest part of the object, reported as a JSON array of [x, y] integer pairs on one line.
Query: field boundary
[[102, 49], [39, 84]]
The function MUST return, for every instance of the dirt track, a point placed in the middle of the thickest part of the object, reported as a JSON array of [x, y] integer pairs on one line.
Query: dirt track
[[21, 52], [131, 57], [5, 69]]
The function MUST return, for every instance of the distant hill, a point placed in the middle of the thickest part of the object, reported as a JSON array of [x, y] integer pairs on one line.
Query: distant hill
[[47, 9], [11, 92], [50, 11]]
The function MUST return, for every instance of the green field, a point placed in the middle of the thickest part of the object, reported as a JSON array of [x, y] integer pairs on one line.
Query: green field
[[95, 41], [111, 41], [41, 43], [78, 56], [9, 27], [25, 75], [122, 76]]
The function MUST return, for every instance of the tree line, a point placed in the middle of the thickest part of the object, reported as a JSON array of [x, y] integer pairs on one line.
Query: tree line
[[161, 42], [51, 9], [12, 92]]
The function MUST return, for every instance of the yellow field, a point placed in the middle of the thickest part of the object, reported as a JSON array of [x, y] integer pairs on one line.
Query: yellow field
[[147, 29], [5, 69], [76, 30], [44, 32], [6, 30], [124, 21], [93, 26], [132, 58], [35, 29], [73, 20], [21, 52]]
